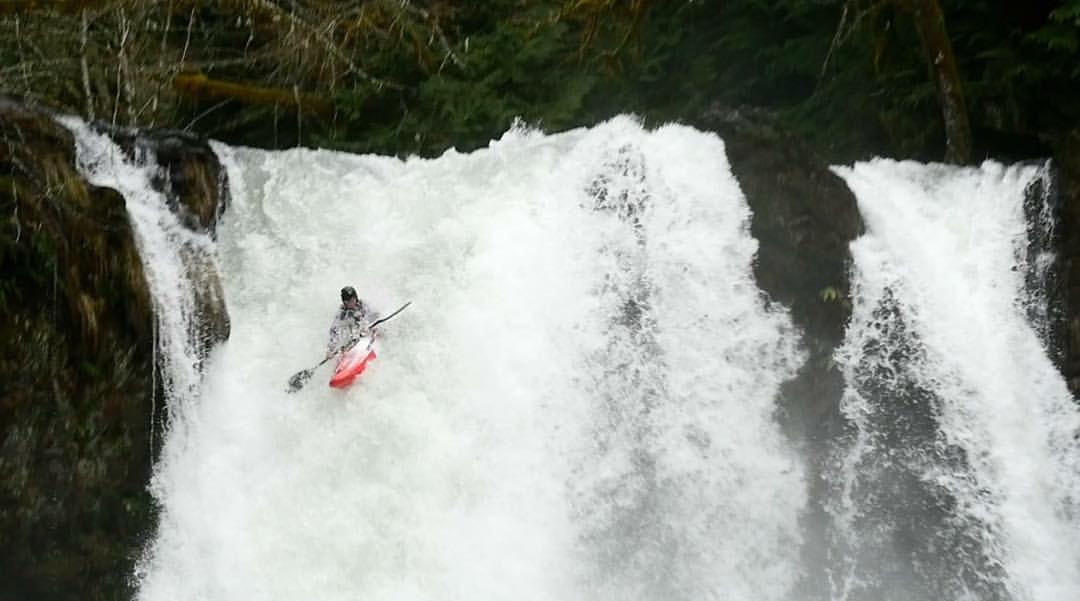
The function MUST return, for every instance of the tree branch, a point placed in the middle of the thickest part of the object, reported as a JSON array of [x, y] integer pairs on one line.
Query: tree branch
[[199, 86]]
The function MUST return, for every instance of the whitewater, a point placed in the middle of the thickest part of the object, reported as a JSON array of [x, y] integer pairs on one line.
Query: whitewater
[[962, 479], [581, 401]]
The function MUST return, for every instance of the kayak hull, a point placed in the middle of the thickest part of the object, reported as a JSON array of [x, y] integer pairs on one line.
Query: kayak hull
[[352, 363]]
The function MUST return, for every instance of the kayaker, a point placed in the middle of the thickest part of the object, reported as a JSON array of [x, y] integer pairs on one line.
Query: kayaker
[[350, 323]]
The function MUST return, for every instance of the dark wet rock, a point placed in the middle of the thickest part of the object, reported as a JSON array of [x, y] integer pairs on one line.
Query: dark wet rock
[[804, 218], [75, 373], [1067, 188], [80, 420], [191, 176], [195, 186]]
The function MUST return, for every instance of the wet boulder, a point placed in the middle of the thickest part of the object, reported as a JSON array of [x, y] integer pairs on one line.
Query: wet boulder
[[1066, 164], [195, 186], [804, 218]]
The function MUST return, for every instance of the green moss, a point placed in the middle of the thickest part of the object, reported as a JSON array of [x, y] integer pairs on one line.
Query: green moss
[[76, 374]]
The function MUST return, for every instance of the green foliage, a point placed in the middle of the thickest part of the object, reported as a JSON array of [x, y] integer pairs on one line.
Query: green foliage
[[512, 68], [419, 77], [858, 84], [479, 104], [1067, 14]]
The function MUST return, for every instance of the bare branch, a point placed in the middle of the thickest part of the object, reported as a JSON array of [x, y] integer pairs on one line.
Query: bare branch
[[838, 38], [328, 44], [847, 27], [85, 67], [436, 31]]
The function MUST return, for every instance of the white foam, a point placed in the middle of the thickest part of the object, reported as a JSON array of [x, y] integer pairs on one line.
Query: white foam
[[467, 462], [946, 254]]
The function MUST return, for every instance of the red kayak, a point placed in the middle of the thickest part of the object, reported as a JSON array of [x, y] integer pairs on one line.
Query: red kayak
[[353, 362]]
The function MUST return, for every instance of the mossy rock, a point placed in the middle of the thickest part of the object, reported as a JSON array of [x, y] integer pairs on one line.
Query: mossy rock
[[75, 372], [191, 177], [195, 187], [79, 421], [804, 218]]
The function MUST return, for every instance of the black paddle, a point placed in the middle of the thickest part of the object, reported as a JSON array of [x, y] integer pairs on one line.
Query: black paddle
[[301, 378], [387, 318]]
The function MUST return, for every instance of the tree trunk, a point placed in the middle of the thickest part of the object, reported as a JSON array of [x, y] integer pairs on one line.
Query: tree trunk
[[937, 48]]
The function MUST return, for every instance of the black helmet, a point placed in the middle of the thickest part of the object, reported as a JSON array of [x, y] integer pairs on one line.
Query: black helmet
[[348, 293]]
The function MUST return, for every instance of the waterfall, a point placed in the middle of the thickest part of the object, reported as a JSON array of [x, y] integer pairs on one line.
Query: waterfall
[[580, 403], [167, 249], [577, 405], [960, 476]]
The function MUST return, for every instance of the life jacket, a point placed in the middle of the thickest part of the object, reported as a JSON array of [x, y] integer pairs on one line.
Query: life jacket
[[348, 324]]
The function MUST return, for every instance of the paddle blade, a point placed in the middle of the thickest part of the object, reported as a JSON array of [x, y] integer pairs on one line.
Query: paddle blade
[[299, 379]]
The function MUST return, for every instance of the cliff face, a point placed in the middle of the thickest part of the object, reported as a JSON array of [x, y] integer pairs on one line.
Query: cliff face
[[77, 405], [804, 218], [193, 183], [1067, 184]]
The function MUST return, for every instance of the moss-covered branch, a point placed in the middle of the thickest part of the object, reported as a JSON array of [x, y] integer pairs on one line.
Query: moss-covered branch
[[201, 87]]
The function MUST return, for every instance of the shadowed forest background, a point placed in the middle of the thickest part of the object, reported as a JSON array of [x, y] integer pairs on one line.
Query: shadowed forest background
[[856, 77]]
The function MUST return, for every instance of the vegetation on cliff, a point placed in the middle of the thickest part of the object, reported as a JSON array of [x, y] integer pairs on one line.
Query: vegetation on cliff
[[79, 416], [76, 373]]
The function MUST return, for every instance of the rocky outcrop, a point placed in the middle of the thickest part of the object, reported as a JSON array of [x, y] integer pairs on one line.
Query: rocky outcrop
[[194, 185], [75, 368], [804, 218], [191, 176], [77, 405], [1067, 184]]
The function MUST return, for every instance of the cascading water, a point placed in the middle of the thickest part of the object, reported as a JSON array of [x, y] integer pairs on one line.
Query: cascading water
[[580, 402], [961, 476], [675, 499], [167, 249]]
